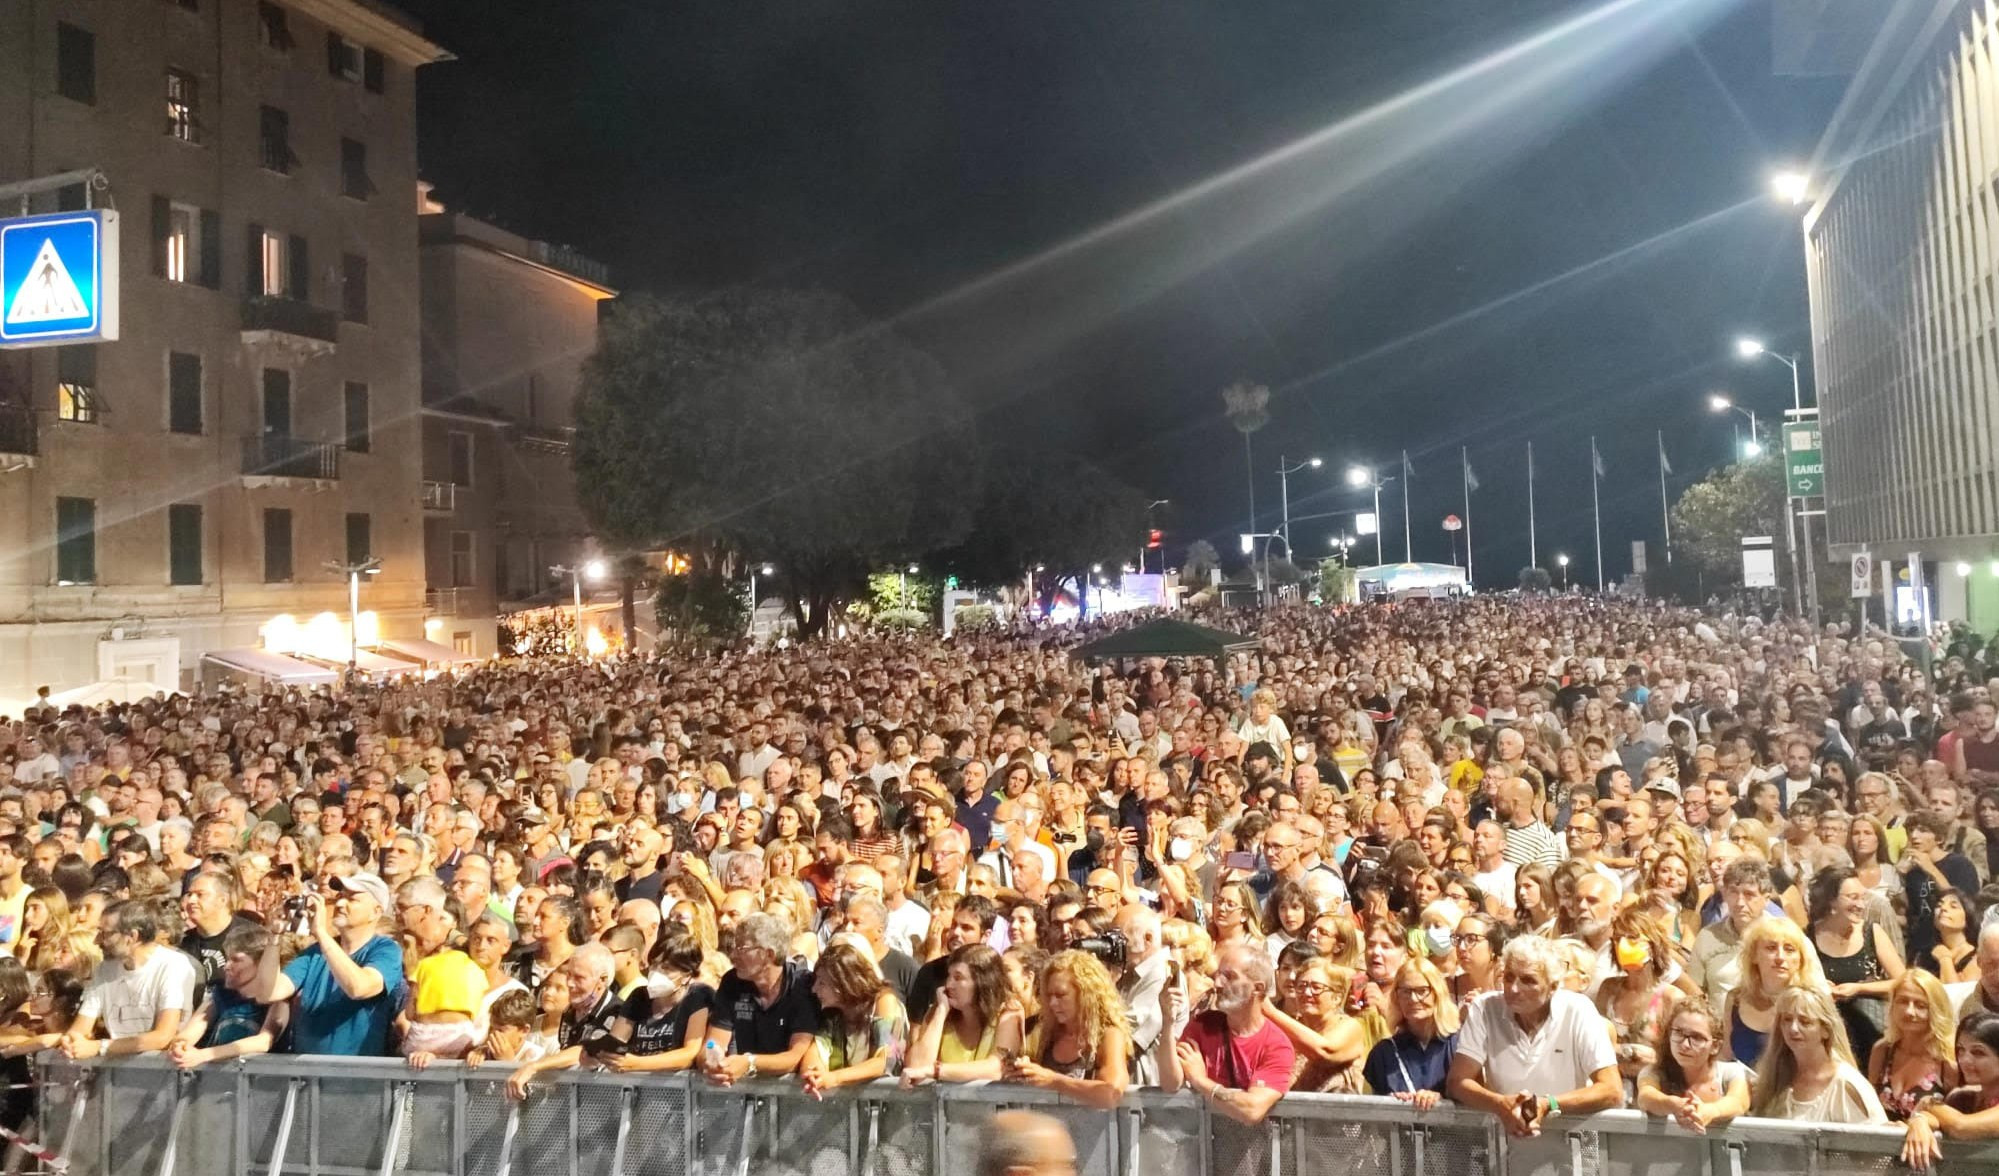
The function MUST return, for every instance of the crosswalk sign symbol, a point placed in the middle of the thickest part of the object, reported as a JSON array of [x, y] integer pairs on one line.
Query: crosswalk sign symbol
[[59, 278]]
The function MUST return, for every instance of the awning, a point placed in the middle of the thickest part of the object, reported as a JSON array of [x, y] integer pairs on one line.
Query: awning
[[427, 653], [369, 662], [272, 667]]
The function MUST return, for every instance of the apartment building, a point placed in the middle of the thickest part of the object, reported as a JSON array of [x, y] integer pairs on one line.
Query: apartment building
[[189, 488], [508, 322]]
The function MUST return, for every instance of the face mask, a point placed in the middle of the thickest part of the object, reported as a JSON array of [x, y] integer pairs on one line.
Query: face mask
[[1179, 849], [1633, 953], [660, 985], [1438, 940]]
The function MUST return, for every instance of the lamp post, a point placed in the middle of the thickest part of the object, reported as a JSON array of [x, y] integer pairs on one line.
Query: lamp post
[[594, 569], [1804, 583], [1149, 508], [1284, 473], [755, 569], [354, 570], [1562, 561], [1369, 478], [1718, 402], [1341, 544], [902, 591]]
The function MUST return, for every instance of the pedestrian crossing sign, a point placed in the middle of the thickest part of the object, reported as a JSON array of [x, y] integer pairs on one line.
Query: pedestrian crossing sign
[[59, 278]]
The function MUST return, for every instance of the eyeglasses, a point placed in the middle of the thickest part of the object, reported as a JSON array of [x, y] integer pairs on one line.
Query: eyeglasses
[[1697, 1040], [1468, 939], [1421, 995], [1310, 987]]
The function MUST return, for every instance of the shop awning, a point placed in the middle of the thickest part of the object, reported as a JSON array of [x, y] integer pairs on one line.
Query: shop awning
[[272, 667], [426, 653], [369, 662]]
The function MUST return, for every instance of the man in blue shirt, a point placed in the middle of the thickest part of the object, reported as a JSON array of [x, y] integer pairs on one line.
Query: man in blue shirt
[[349, 983]]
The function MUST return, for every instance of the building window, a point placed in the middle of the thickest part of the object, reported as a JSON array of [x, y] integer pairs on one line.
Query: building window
[[354, 181], [360, 538], [373, 66], [279, 265], [76, 64], [461, 458], [183, 106], [183, 544], [277, 546], [343, 57], [461, 642], [358, 439], [273, 27], [274, 140], [354, 288], [461, 559], [76, 541], [76, 384], [187, 243], [183, 392]]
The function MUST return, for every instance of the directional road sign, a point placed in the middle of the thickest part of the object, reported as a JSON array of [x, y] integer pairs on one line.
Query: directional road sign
[[59, 278], [1804, 461]]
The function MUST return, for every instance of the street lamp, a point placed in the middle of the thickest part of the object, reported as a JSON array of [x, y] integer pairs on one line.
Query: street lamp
[[1341, 544], [1716, 402], [755, 571], [1563, 562], [595, 570], [372, 566], [1369, 478], [1792, 187], [1284, 473]]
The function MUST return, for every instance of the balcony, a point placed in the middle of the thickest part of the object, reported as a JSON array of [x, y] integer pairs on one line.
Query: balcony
[[273, 457], [290, 324], [18, 440], [440, 497], [441, 602], [542, 439]]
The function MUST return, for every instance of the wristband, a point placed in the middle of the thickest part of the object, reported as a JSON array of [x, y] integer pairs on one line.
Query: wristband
[[752, 1071], [1554, 1104]]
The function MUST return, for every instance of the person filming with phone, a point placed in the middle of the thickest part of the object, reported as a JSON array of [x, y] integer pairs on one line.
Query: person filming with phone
[[1230, 1054]]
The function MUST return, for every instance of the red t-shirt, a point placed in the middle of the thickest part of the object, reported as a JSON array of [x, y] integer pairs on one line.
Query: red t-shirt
[[1265, 1056]]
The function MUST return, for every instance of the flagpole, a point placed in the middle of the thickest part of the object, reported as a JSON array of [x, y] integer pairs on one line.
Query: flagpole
[[1533, 552], [1464, 460], [1665, 514], [1596, 501], [1407, 547]]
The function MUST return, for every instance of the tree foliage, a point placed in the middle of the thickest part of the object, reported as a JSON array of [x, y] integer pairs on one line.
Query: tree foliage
[[1713, 515], [700, 608], [776, 426], [1043, 508], [1533, 579], [1202, 559]]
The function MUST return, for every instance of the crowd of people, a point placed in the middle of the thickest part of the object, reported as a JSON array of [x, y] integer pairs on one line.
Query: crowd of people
[[1531, 857]]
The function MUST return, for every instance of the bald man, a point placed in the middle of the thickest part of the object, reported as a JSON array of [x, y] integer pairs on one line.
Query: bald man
[[1025, 1143], [1528, 838]]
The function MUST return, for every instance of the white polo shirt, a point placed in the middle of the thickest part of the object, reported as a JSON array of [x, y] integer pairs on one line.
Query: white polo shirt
[[1572, 1044]]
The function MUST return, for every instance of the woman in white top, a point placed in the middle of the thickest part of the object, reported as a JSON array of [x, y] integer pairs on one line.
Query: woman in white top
[[1807, 1073]]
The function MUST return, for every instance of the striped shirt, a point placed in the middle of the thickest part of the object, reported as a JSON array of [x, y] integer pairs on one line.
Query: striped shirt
[[1532, 843]]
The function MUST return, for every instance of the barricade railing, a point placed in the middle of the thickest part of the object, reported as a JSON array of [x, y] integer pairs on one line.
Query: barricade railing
[[331, 1116]]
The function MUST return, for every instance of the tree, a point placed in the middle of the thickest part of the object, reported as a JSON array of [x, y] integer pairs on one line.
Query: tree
[[699, 608], [1248, 408], [1713, 515], [1202, 559], [772, 425], [1047, 509], [1535, 580]]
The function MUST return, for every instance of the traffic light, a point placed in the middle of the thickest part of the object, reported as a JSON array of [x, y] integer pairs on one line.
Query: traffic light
[[1154, 537]]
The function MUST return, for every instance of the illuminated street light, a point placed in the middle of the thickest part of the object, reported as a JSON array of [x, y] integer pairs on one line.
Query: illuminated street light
[[1792, 187], [1963, 568], [1752, 449], [596, 569], [1562, 561], [1749, 348], [1359, 476]]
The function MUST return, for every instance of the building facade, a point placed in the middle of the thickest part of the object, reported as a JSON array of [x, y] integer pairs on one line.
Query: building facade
[[183, 489], [508, 323], [1902, 242]]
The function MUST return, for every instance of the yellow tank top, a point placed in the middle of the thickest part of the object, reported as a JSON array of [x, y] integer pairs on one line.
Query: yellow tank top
[[951, 1049]]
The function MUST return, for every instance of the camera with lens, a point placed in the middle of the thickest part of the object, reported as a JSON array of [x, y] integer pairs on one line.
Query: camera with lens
[[298, 912], [1111, 948]]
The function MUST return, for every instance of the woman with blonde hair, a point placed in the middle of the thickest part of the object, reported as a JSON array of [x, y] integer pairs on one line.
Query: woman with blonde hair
[[50, 939], [1079, 1049], [1807, 1074], [699, 918], [1410, 1065], [1232, 917], [1916, 1058], [1773, 956], [1329, 1045], [1636, 998]]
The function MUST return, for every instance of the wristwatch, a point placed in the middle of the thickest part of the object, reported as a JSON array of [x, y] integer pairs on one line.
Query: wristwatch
[[752, 1071]]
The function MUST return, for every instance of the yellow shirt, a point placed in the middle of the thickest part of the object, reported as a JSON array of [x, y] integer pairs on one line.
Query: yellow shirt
[[448, 982]]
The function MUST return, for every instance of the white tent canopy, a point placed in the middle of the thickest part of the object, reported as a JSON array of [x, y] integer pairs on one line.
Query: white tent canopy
[[1398, 577], [272, 667], [106, 693], [425, 652]]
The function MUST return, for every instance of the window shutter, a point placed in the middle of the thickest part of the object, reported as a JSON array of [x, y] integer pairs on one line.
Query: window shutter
[[163, 213], [299, 284], [211, 249], [373, 66], [334, 58], [253, 263]]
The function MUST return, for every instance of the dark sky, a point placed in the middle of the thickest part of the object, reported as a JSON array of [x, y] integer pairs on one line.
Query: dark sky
[[1422, 223]]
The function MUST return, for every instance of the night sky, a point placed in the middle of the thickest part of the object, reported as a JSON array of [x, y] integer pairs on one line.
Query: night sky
[[1423, 223]]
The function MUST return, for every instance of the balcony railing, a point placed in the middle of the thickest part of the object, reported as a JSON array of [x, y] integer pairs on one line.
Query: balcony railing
[[336, 1116], [542, 439], [441, 602], [280, 455], [290, 317], [440, 496], [17, 430]]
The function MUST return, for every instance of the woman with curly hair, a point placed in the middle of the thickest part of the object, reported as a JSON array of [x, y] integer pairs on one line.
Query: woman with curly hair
[[1080, 1048], [862, 1026], [1636, 999], [975, 1025]]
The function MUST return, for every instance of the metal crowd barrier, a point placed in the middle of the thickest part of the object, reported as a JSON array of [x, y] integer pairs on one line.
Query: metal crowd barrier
[[330, 1116]]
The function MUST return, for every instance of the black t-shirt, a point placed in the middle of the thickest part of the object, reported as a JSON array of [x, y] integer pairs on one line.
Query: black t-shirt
[[649, 887], [924, 986], [206, 950], [657, 1031], [573, 1029], [755, 1029], [900, 969]]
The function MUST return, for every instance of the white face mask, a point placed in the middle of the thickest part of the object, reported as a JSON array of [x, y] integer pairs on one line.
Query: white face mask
[[1179, 849], [660, 985]]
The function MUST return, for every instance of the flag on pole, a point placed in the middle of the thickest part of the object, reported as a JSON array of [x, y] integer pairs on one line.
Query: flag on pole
[[1471, 479], [1596, 459], [1663, 463]]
